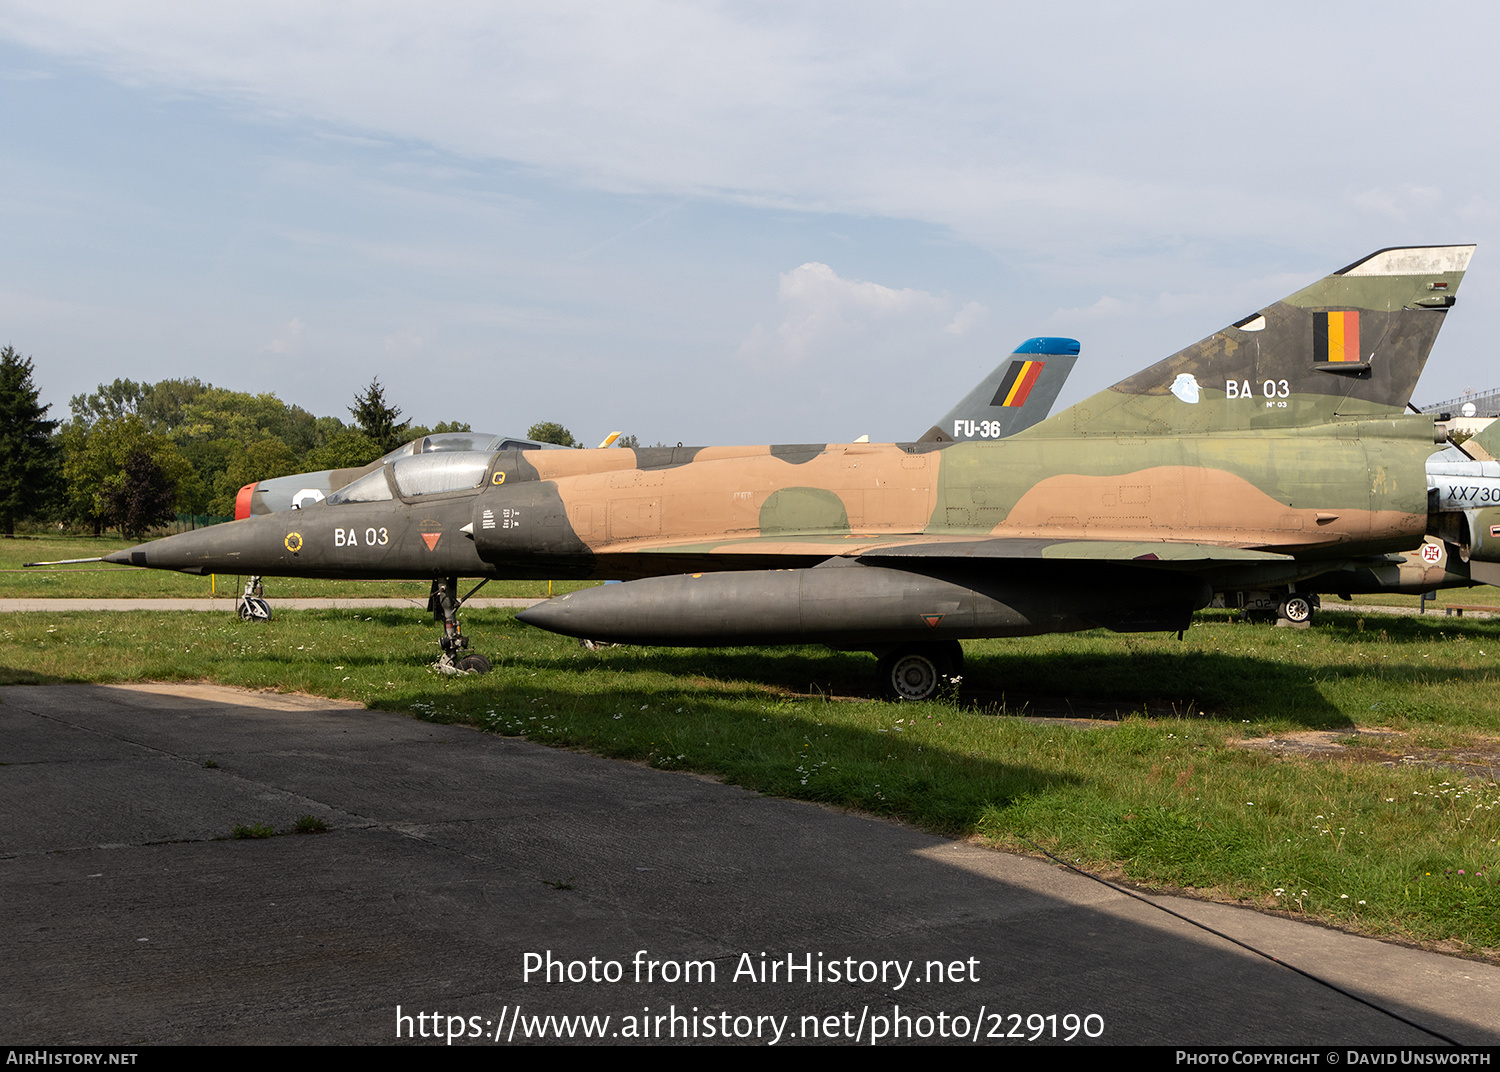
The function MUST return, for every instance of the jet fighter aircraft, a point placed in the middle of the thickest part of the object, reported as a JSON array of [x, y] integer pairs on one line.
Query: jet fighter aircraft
[[1270, 452], [1018, 393]]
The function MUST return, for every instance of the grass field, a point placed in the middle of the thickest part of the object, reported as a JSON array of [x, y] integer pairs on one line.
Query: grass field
[[1394, 835]]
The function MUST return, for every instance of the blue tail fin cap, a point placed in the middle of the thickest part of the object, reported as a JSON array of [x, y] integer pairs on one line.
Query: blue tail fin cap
[[1045, 345]]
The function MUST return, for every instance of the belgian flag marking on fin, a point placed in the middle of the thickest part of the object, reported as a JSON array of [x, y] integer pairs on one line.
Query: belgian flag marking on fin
[[1336, 336], [1018, 382]]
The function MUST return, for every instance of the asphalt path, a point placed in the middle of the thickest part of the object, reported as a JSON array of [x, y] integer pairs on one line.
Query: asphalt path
[[227, 605], [454, 860]]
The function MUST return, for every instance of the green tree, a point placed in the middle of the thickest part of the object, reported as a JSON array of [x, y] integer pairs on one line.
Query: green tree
[[210, 427], [215, 426], [94, 466], [261, 460], [218, 414], [163, 403], [350, 449], [28, 458], [142, 496], [325, 428], [376, 419], [420, 430], [551, 432], [112, 401]]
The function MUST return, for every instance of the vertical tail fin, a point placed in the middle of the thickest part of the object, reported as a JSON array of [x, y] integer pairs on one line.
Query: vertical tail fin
[[1353, 343], [1018, 394]]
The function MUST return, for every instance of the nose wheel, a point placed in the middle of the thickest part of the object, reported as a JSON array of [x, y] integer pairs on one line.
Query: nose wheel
[[454, 656], [252, 605]]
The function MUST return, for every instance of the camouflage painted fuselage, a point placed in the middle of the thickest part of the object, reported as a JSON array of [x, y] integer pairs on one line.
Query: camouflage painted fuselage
[[1272, 451], [1066, 537]]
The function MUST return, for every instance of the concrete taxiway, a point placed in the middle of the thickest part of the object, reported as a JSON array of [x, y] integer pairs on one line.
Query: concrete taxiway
[[227, 606], [455, 859]]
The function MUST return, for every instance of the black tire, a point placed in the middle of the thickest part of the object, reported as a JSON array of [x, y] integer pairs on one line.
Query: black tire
[[254, 609], [1297, 609], [955, 654], [917, 672], [477, 663]]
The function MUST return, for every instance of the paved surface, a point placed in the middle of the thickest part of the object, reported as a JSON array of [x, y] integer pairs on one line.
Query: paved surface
[[226, 605], [1448, 611], [128, 916]]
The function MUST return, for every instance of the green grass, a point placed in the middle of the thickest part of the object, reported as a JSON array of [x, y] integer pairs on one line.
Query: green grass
[[1158, 795]]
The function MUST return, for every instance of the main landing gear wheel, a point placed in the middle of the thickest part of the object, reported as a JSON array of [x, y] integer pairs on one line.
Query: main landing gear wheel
[[917, 672], [1297, 609]]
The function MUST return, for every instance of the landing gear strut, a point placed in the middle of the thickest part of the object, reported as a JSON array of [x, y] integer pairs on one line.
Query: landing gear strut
[[1283, 606], [918, 671], [252, 605], [455, 657]]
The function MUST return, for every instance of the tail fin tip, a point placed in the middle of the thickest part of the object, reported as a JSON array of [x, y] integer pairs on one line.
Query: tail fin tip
[[1412, 260], [1372, 324], [1049, 345]]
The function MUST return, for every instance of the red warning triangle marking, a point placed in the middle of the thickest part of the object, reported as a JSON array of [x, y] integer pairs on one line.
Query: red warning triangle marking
[[932, 620], [431, 539]]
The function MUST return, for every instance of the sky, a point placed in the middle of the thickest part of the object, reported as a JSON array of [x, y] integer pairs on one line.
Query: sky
[[714, 223]]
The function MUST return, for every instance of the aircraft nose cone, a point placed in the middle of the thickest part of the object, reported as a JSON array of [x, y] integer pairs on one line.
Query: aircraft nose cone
[[199, 551]]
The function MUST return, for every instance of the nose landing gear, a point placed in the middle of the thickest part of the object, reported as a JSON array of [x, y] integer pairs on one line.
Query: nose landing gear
[[454, 656], [252, 605]]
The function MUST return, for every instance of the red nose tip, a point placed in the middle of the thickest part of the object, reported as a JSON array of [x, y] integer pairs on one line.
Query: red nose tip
[[242, 502]]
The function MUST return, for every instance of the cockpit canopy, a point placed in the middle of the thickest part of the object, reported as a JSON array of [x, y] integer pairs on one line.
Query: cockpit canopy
[[482, 442], [416, 475]]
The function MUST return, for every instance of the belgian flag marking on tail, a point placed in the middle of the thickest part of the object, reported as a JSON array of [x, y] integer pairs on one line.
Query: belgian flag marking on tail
[[1018, 382], [1336, 336]]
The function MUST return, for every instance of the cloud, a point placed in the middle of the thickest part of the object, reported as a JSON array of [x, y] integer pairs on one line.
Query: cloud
[[1398, 204], [823, 313], [1478, 210], [1119, 164], [403, 344], [896, 111], [966, 319], [286, 342], [1235, 299], [1104, 307]]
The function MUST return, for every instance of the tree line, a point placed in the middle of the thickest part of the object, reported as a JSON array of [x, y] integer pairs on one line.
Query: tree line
[[131, 456]]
